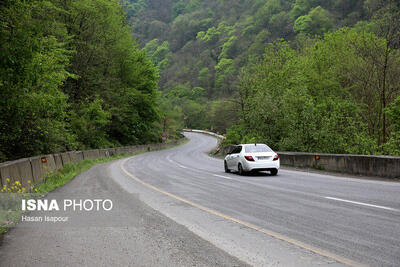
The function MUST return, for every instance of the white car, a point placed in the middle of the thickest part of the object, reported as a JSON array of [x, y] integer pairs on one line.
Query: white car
[[252, 157]]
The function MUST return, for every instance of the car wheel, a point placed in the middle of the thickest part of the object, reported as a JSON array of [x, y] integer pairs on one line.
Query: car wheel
[[274, 172], [226, 167], [240, 169]]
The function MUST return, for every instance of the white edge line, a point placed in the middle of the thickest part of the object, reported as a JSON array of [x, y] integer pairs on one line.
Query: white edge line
[[169, 159], [361, 203], [184, 167], [249, 225], [223, 177], [331, 198]]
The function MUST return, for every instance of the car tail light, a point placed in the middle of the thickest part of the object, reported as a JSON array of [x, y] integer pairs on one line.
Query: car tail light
[[249, 158], [276, 157]]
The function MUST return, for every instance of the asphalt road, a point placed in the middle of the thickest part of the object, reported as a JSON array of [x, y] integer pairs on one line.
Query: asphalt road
[[356, 219], [177, 207]]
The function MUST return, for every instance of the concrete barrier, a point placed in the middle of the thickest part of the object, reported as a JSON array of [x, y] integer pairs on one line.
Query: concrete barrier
[[120, 150], [79, 155], [141, 148], [382, 166], [75, 156], [58, 161], [379, 166], [42, 166], [65, 157], [102, 153], [72, 156], [131, 149], [19, 170], [34, 169], [91, 154], [159, 146], [112, 151], [9, 172]]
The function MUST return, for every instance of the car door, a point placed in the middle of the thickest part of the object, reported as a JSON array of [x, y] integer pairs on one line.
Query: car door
[[230, 158], [235, 157]]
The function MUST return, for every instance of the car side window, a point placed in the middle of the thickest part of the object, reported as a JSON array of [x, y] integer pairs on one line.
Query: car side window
[[234, 150], [237, 150]]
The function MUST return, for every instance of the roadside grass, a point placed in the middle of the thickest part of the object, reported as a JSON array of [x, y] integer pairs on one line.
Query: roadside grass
[[69, 171], [9, 218]]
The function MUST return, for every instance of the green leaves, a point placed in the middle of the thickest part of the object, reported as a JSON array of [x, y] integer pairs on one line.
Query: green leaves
[[302, 100], [393, 112], [71, 76], [116, 79], [224, 75], [158, 53], [89, 124], [33, 67], [316, 22]]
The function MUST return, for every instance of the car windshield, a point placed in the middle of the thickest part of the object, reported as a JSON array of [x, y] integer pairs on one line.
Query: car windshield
[[257, 148]]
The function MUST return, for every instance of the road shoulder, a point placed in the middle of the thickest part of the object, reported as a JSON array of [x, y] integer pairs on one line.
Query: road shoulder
[[134, 234], [248, 245]]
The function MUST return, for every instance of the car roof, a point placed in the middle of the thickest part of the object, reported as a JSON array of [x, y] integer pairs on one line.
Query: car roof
[[251, 144]]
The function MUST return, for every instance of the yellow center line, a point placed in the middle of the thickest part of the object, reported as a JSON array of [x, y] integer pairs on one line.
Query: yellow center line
[[249, 225]]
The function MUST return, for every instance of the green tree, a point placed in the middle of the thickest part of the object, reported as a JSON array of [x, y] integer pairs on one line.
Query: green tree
[[90, 123], [158, 53], [33, 67], [302, 7], [109, 66], [316, 22], [222, 114], [206, 79], [295, 100], [72, 76], [393, 112], [225, 71]]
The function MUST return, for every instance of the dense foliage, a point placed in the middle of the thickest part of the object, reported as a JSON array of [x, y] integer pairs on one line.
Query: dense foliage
[[72, 77], [302, 75]]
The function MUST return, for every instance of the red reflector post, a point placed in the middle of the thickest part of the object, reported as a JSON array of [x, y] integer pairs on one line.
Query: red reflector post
[[276, 157], [249, 158]]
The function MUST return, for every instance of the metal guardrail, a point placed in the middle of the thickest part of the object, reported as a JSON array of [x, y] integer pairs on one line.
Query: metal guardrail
[[205, 132]]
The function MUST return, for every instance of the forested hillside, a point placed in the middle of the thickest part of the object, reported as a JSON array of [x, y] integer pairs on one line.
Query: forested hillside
[[72, 77], [300, 75]]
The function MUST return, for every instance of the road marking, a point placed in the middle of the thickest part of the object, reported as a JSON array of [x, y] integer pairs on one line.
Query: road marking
[[183, 167], [343, 178], [361, 203], [229, 178], [179, 165], [249, 225], [331, 198], [196, 170]]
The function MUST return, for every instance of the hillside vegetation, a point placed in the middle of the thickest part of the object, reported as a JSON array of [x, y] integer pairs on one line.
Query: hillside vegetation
[[72, 77], [300, 75]]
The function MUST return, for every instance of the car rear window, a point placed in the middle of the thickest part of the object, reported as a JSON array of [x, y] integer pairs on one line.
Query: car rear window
[[257, 148]]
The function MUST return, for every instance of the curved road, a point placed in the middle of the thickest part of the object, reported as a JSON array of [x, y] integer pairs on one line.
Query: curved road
[[177, 207], [352, 218]]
